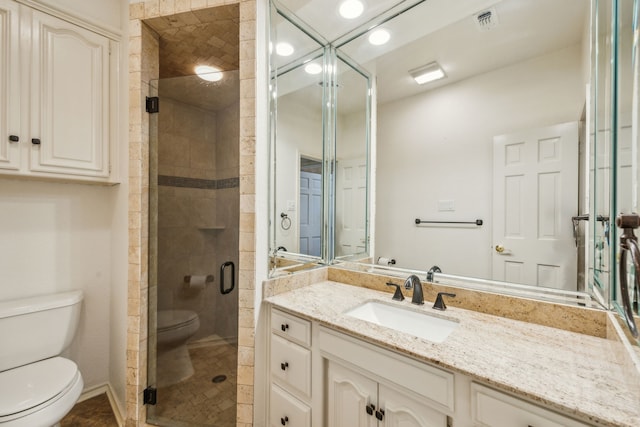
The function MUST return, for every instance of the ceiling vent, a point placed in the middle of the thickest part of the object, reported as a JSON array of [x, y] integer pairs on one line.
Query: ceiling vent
[[486, 19]]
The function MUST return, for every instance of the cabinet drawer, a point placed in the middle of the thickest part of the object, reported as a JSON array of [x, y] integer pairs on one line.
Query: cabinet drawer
[[292, 327], [291, 365], [495, 409], [286, 410]]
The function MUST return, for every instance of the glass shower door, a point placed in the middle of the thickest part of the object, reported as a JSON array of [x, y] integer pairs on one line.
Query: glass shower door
[[194, 238]]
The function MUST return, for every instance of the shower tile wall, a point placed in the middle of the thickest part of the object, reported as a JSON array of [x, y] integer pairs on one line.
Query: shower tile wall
[[198, 202]]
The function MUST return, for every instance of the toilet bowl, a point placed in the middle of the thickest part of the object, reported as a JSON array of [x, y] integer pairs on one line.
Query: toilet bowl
[[175, 327], [38, 387], [39, 394]]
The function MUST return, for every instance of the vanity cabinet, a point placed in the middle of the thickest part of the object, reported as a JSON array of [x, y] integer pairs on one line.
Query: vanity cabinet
[[290, 368], [368, 386], [56, 82], [322, 377], [492, 408]]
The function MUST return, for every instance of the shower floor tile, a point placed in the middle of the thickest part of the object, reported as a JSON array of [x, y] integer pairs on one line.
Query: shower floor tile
[[198, 401]]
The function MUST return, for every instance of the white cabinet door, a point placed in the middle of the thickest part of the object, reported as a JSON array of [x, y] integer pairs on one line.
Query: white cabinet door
[[402, 410], [9, 85], [69, 99], [348, 396]]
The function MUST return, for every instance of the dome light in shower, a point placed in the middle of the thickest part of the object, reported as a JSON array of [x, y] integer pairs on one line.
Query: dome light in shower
[[210, 74], [379, 37], [428, 73], [350, 9]]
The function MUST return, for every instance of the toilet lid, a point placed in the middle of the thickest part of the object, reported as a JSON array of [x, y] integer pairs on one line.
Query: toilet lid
[[31, 385], [168, 319]]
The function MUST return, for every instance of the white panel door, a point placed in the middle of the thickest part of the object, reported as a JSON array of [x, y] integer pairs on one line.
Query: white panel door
[[69, 99], [348, 395], [351, 207], [10, 85], [535, 185], [310, 213]]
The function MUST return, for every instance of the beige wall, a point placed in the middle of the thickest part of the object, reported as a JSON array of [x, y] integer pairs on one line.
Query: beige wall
[[143, 68]]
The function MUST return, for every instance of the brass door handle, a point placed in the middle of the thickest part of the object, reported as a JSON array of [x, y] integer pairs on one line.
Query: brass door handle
[[499, 249]]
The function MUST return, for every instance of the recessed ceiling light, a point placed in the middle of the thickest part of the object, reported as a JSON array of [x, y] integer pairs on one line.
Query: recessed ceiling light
[[428, 73], [210, 74], [284, 49], [313, 68], [379, 37], [350, 9]]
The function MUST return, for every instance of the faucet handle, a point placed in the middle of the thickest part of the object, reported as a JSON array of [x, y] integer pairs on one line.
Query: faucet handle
[[439, 304], [397, 295]]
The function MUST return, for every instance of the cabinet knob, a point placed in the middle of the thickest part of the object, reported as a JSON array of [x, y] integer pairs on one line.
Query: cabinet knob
[[370, 408], [35, 141], [380, 414], [284, 366], [14, 138], [284, 327], [284, 420]]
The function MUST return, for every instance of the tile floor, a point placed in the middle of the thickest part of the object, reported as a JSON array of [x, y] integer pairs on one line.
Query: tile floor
[[94, 412], [199, 401], [195, 402]]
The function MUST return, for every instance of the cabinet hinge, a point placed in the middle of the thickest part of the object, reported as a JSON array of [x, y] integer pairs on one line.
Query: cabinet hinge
[[152, 104], [150, 396]]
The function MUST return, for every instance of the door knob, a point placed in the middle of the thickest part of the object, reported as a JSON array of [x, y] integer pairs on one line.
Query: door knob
[[499, 249]]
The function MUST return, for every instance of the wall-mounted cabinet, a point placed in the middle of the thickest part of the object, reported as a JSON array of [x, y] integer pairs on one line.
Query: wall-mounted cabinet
[[57, 86]]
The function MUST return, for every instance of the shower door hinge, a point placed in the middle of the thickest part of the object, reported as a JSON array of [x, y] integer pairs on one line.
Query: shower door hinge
[[153, 104], [150, 396]]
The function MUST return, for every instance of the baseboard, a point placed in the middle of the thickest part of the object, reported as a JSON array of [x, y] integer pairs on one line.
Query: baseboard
[[105, 389]]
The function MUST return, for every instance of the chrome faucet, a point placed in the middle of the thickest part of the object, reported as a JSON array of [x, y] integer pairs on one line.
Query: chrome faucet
[[413, 282]]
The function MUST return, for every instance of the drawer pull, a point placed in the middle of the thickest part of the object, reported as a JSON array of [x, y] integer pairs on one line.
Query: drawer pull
[[284, 327], [284, 420], [35, 141], [284, 366], [14, 138], [370, 408], [380, 414]]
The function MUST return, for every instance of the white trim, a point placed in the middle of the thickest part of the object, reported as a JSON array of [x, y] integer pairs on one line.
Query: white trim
[[69, 16], [113, 402]]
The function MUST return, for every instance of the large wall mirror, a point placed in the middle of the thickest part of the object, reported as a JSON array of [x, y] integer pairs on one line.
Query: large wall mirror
[[504, 170], [319, 154]]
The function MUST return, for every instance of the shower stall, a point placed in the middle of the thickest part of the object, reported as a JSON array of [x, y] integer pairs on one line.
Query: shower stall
[[194, 250]]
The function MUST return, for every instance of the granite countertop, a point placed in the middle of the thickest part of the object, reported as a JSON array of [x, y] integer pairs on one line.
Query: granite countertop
[[579, 375]]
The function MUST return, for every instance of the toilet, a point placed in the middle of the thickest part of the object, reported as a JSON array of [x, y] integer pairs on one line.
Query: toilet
[[37, 386], [175, 327]]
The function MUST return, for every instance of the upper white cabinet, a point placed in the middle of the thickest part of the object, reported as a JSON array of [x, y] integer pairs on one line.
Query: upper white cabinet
[[57, 80]]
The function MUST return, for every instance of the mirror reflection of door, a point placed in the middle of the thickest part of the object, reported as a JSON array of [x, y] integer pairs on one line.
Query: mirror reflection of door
[[310, 202], [535, 175], [351, 215]]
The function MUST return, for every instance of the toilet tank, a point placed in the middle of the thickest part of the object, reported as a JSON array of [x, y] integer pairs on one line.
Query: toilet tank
[[37, 328]]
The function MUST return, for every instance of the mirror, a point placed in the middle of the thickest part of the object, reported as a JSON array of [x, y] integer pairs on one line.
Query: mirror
[[478, 172], [320, 122]]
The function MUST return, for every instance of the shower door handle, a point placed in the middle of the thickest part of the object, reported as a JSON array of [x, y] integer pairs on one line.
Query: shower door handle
[[223, 267]]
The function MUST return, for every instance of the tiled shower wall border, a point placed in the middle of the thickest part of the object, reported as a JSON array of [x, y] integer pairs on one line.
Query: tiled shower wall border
[[203, 184], [143, 67]]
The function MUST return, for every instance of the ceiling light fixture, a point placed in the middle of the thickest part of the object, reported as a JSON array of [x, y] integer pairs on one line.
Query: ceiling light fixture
[[379, 37], [428, 73], [210, 74], [350, 9], [284, 49], [313, 68]]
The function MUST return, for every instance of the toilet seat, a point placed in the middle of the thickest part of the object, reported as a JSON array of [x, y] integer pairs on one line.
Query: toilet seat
[[169, 320], [36, 393]]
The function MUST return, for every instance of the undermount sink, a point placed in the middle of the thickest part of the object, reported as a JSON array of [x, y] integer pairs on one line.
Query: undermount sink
[[419, 324]]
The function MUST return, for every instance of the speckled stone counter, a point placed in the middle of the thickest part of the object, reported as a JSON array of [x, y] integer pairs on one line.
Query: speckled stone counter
[[580, 375]]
